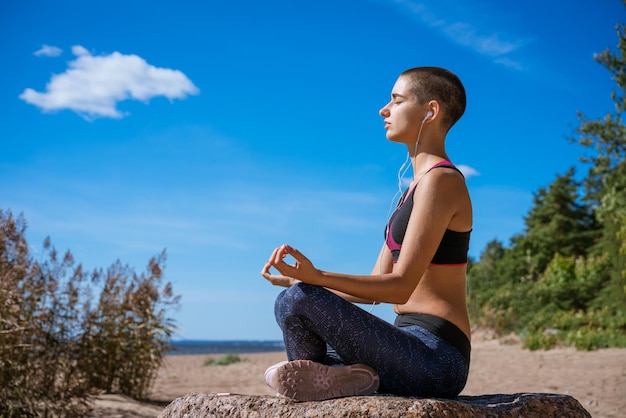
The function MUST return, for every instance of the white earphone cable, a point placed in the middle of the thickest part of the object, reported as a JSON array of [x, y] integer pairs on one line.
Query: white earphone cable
[[401, 173]]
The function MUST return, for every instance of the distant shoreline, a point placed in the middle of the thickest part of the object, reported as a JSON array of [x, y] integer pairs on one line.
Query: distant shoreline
[[183, 347]]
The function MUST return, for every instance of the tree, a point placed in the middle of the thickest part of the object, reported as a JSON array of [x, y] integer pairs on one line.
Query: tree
[[606, 180], [564, 278], [559, 223], [483, 280], [606, 136]]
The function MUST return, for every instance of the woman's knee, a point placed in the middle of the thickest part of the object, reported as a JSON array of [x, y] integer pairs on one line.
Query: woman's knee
[[296, 299]]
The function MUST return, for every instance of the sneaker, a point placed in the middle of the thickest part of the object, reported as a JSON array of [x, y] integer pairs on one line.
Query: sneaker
[[271, 372], [305, 380]]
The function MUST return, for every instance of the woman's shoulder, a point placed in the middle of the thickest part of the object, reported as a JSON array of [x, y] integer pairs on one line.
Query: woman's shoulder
[[444, 191], [443, 176]]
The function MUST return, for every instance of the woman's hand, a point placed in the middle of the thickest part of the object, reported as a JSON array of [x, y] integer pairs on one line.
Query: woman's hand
[[278, 279], [301, 270]]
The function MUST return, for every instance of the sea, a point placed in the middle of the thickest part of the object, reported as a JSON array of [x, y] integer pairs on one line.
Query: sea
[[179, 347]]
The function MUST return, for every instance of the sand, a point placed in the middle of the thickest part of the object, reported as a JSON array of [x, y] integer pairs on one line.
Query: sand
[[596, 379]]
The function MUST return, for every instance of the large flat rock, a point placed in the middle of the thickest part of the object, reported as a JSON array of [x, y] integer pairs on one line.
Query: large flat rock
[[516, 405]]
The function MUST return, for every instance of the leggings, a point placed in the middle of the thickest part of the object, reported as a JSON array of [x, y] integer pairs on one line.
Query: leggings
[[320, 326]]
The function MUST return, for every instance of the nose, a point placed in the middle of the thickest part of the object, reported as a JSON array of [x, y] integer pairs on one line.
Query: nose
[[384, 112]]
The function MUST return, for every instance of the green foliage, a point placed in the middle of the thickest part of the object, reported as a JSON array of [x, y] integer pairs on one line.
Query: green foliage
[[558, 223], [612, 212], [571, 283], [483, 280], [56, 347], [563, 280], [589, 330], [225, 360], [561, 308]]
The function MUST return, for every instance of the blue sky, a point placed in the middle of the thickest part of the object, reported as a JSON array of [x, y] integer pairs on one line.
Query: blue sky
[[220, 130]]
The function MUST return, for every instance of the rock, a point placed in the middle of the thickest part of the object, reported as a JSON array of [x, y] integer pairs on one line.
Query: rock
[[528, 405]]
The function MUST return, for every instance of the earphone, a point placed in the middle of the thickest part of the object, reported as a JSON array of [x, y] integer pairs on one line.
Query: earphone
[[428, 114]]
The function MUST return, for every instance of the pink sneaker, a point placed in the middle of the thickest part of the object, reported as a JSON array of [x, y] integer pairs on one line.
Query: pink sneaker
[[305, 380], [271, 372]]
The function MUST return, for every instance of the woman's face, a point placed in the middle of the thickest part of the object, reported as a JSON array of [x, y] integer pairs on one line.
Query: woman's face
[[403, 115]]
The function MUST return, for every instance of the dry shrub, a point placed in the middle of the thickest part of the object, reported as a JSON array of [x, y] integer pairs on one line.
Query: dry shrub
[[57, 347]]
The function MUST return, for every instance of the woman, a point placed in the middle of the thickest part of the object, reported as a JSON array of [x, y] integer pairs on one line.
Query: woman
[[334, 347]]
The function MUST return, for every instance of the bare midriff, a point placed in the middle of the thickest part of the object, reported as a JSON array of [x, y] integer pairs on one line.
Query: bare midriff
[[441, 292]]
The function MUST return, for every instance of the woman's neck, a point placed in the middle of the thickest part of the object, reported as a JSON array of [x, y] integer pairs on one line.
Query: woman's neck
[[423, 161]]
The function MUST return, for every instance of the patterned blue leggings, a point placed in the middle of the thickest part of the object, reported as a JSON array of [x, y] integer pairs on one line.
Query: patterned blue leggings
[[411, 361]]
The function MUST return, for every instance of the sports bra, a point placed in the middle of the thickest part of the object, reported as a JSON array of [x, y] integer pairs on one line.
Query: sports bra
[[454, 245]]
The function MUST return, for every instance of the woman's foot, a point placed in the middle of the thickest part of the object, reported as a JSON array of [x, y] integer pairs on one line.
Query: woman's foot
[[305, 380]]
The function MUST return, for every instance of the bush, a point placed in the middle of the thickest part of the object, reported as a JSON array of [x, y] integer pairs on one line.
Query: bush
[[224, 360], [56, 348], [566, 306]]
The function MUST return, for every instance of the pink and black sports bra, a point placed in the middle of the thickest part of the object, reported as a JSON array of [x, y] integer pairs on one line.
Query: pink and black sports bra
[[454, 245]]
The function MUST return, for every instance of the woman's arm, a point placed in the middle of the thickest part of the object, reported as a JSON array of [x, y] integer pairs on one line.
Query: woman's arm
[[383, 258], [436, 201], [384, 264]]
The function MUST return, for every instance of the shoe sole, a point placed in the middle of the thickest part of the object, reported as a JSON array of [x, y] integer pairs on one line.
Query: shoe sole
[[271, 372], [305, 380]]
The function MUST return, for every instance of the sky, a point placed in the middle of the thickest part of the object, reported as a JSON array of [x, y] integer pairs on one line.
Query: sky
[[218, 131]]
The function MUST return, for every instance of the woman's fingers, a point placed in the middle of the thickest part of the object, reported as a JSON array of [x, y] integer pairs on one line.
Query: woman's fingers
[[274, 258], [277, 261], [282, 252], [278, 255], [301, 269], [265, 271]]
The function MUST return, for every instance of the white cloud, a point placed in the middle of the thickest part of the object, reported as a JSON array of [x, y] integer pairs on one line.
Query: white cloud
[[48, 51], [92, 86], [486, 44], [510, 63], [79, 50], [467, 171], [441, 16]]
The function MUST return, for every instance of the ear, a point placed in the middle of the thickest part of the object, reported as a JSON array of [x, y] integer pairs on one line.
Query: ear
[[433, 112]]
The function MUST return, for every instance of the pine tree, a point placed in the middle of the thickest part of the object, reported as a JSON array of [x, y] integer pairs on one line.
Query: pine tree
[[605, 184]]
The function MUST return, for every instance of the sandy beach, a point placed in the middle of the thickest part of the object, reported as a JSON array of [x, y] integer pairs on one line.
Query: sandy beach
[[596, 379]]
